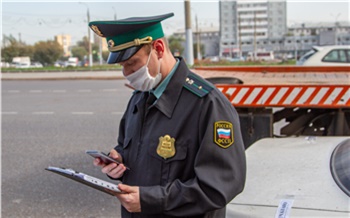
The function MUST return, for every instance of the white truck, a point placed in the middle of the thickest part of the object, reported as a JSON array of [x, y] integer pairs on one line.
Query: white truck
[[73, 62], [21, 62]]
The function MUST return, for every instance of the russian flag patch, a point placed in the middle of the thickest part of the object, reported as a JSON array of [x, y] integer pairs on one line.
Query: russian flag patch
[[223, 134]]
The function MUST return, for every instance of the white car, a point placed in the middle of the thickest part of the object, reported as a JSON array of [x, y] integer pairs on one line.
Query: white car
[[36, 65], [295, 177], [335, 55]]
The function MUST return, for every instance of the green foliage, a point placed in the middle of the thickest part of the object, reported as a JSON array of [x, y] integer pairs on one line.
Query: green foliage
[[47, 52], [79, 52], [13, 48], [95, 50], [84, 43], [175, 45]]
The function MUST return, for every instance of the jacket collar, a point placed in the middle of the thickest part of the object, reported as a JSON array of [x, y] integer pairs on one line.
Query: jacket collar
[[168, 100]]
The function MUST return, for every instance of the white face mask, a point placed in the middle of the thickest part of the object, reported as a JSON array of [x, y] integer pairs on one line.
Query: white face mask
[[142, 80]]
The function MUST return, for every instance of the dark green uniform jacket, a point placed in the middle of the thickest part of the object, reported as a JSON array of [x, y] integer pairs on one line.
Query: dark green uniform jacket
[[185, 150]]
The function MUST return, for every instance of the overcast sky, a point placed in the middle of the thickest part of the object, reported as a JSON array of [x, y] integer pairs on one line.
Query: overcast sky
[[41, 20]]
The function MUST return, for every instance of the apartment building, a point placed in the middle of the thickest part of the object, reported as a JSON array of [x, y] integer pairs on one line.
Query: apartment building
[[65, 41], [208, 37], [245, 25]]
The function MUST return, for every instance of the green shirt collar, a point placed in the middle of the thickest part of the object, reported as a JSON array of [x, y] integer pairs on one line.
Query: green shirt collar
[[160, 89]]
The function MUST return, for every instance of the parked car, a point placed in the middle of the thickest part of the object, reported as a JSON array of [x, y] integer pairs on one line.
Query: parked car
[[21, 65], [295, 177], [336, 55], [36, 65], [5, 64], [234, 59], [261, 56]]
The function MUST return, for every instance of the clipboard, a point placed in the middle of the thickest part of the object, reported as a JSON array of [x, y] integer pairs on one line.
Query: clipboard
[[88, 180]]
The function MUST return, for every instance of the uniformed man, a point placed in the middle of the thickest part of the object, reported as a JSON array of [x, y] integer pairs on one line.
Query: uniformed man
[[179, 135]]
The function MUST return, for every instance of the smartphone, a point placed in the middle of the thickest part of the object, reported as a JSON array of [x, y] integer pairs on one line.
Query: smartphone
[[104, 157]]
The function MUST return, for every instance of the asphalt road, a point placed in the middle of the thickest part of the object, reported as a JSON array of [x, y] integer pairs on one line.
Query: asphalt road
[[52, 123]]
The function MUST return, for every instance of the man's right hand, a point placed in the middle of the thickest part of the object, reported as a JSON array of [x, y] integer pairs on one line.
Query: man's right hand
[[113, 170]]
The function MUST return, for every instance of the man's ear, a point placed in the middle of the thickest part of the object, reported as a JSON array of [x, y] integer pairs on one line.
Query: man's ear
[[159, 48]]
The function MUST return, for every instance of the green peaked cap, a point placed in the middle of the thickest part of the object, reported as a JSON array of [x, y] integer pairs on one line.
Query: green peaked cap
[[126, 36]]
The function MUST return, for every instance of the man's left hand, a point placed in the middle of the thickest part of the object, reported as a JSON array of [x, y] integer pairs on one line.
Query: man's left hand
[[130, 198]]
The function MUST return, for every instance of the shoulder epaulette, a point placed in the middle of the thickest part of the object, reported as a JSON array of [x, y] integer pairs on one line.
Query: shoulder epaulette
[[197, 85]]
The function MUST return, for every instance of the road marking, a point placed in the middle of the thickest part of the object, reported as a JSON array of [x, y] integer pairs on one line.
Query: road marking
[[59, 91], [43, 113], [82, 113], [14, 91], [84, 90], [117, 113], [35, 91], [109, 90], [9, 113]]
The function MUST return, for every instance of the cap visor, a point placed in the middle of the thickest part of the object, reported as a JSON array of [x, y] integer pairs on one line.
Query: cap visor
[[123, 55]]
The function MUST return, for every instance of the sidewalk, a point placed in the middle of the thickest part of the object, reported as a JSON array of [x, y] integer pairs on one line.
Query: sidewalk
[[107, 75]]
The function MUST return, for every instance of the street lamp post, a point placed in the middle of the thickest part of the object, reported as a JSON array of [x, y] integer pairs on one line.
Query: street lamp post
[[199, 56], [189, 44], [335, 27], [89, 34], [115, 13]]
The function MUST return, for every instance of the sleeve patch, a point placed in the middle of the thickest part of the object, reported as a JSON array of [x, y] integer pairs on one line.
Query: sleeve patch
[[223, 134]]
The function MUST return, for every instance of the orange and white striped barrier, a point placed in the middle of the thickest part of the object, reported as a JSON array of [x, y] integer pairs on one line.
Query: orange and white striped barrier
[[324, 96]]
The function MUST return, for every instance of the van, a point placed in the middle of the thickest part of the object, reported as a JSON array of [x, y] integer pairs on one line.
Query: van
[[21, 62], [73, 62], [261, 56]]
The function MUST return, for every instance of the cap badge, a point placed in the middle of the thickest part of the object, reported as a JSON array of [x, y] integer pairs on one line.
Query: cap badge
[[110, 43], [166, 147], [223, 134], [96, 30]]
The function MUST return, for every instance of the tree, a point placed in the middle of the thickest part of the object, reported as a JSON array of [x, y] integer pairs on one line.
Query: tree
[[84, 43], [95, 52], [195, 52], [13, 48], [79, 52], [175, 45], [94, 48], [47, 52]]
